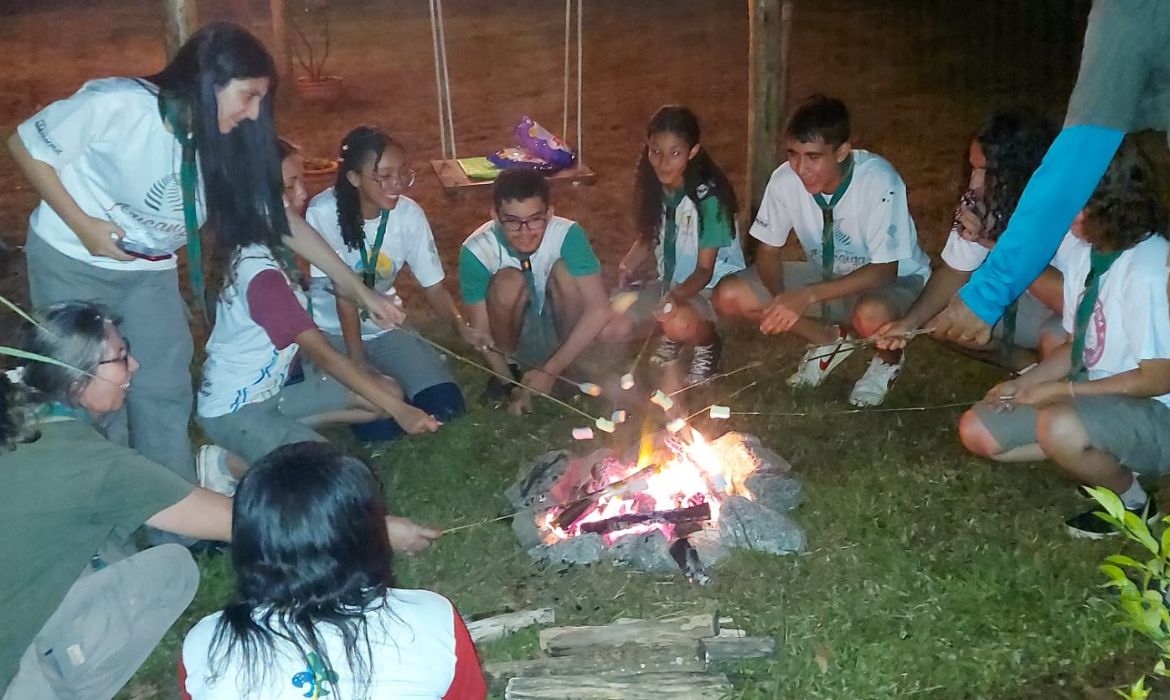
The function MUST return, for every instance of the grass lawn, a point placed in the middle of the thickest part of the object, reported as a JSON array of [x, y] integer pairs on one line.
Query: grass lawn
[[929, 573]]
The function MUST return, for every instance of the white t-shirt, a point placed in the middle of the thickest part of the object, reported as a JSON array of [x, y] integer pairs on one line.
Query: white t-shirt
[[408, 241], [966, 256], [414, 654], [728, 260], [871, 223], [243, 365], [118, 161], [1131, 320]]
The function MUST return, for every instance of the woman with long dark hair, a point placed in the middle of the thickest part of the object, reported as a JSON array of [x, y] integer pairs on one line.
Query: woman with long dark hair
[[377, 230], [684, 211], [78, 618], [128, 170], [315, 610], [1002, 156]]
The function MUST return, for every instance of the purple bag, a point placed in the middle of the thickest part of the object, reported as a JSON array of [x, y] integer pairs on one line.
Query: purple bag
[[514, 157], [543, 144]]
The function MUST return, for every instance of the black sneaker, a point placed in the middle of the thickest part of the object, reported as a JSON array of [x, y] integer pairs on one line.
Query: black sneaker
[[667, 351], [1088, 525], [704, 362], [497, 390]]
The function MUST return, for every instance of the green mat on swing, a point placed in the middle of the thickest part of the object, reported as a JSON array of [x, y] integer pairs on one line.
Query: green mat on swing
[[479, 168]]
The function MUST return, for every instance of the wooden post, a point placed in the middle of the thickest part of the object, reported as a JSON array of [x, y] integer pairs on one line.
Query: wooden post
[[181, 20], [280, 48], [770, 23]]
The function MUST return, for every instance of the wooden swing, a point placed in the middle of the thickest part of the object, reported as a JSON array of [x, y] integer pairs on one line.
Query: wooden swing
[[450, 169]]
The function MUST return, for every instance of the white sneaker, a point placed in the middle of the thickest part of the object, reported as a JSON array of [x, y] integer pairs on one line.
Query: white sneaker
[[212, 471], [873, 386], [819, 361]]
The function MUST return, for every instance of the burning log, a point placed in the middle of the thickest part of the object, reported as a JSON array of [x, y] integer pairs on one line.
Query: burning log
[[577, 508], [646, 686], [492, 628], [564, 641], [677, 516], [618, 662], [717, 649]]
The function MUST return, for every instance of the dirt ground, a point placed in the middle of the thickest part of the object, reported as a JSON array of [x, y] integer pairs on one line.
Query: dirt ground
[[918, 77]]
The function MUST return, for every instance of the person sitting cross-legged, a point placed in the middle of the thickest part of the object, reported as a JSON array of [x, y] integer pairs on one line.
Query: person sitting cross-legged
[[531, 280], [864, 266], [1099, 407]]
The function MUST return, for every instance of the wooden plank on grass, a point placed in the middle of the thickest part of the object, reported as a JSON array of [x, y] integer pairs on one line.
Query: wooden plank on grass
[[734, 648], [621, 661], [493, 628], [562, 641], [647, 686]]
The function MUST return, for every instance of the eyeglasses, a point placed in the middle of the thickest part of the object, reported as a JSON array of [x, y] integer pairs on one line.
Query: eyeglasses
[[123, 359], [402, 180], [532, 223]]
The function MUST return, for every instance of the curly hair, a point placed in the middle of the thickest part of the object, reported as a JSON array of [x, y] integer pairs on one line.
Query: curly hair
[[702, 170], [16, 414], [1126, 208], [1014, 142], [363, 144]]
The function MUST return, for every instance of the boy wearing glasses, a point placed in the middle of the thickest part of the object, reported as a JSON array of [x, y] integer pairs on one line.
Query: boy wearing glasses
[[530, 279]]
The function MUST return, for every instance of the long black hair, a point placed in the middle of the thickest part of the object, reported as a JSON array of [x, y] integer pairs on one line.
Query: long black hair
[[1127, 205], [701, 172], [241, 170], [74, 333], [362, 145], [1014, 142], [310, 550]]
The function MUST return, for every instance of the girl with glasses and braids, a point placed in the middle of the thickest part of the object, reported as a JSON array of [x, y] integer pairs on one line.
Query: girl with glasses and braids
[[377, 230], [129, 170]]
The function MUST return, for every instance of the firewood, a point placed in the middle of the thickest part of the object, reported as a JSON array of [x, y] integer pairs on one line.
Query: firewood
[[646, 686], [677, 516], [616, 662], [717, 649], [493, 628], [562, 641]]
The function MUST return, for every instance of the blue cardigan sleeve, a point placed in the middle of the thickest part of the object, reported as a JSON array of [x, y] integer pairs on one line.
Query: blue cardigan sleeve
[[1057, 191]]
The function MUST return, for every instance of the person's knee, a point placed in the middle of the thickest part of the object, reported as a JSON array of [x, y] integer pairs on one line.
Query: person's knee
[[507, 288], [870, 313], [728, 297], [975, 436], [620, 329], [443, 401], [1059, 429], [684, 326]]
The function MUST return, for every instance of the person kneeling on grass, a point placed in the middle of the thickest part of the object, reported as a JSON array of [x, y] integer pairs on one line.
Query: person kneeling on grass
[[254, 396], [685, 211], [864, 266], [1006, 150], [315, 612], [530, 279], [375, 228], [1100, 406]]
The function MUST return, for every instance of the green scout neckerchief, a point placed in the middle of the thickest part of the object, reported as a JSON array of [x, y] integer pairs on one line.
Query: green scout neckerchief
[[370, 257], [1099, 264], [670, 204], [1009, 325], [177, 116], [827, 212]]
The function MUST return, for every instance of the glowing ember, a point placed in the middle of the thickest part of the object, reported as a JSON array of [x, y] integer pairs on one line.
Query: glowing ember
[[679, 475]]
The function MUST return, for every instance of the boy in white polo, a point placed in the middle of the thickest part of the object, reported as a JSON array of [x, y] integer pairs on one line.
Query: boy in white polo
[[530, 279], [863, 264]]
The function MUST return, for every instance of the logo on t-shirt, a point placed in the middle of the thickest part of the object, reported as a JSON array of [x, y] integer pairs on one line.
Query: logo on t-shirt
[[43, 131], [316, 677], [165, 191], [1095, 336]]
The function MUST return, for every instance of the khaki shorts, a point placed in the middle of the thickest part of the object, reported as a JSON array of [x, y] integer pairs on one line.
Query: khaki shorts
[[641, 312], [1135, 431], [900, 293], [259, 428]]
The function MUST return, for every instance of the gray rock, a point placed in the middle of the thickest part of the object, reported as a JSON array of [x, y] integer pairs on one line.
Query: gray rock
[[524, 527], [710, 547], [649, 552], [583, 549], [775, 490], [534, 479], [749, 525]]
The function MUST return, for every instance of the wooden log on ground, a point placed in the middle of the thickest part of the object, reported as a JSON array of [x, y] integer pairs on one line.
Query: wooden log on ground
[[677, 516], [562, 641], [717, 649], [621, 661], [492, 628], [647, 686]]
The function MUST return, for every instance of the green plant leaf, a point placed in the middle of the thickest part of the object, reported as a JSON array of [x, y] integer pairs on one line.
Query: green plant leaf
[[25, 355], [20, 312], [1123, 560], [1108, 500]]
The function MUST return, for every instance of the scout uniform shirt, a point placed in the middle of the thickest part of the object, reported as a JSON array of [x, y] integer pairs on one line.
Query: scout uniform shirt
[[693, 233]]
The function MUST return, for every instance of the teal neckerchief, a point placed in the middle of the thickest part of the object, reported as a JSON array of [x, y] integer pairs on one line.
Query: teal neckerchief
[[827, 214], [177, 116], [1099, 264], [670, 204], [1009, 325], [525, 266], [55, 412], [370, 257]]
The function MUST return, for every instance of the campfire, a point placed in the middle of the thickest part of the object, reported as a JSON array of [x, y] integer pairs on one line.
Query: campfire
[[675, 500]]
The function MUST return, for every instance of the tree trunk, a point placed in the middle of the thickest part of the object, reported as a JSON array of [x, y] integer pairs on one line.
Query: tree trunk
[[180, 19], [770, 24]]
